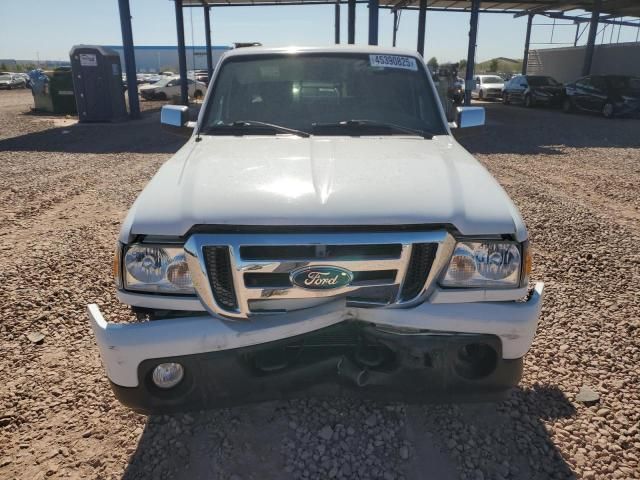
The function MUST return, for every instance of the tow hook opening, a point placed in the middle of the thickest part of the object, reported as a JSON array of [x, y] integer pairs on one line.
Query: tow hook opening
[[475, 361]]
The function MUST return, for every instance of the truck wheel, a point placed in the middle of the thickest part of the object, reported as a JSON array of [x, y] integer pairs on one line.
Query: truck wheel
[[567, 105], [608, 110]]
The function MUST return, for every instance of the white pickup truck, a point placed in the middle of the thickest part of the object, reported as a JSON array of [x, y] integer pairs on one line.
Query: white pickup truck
[[320, 231]]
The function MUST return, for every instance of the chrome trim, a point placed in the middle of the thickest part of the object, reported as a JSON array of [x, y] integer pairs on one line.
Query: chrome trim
[[195, 258]]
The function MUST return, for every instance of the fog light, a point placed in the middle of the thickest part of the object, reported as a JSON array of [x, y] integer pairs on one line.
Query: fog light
[[167, 375]]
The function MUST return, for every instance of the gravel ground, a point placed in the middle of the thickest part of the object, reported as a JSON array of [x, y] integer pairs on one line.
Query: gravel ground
[[64, 189]]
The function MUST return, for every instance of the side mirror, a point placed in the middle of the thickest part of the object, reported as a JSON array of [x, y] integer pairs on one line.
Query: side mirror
[[470, 117], [176, 117]]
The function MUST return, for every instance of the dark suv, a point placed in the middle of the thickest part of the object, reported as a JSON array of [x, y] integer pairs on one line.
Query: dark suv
[[610, 95], [533, 90]]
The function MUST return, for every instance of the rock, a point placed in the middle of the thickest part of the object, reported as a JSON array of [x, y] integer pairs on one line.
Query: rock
[[371, 420], [35, 337], [404, 452], [326, 432], [587, 395]]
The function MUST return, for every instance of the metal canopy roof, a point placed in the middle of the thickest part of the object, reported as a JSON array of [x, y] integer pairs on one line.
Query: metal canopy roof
[[617, 8]]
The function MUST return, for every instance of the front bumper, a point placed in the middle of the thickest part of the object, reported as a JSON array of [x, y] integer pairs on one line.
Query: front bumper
[[218, 354], [493, 94]]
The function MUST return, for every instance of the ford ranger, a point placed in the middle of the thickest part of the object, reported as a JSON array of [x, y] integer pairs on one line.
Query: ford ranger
[[320, 232]]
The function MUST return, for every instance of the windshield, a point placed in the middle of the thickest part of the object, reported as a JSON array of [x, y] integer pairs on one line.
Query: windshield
[[537, 81], [308, 91], [163, 81], [491, 80]]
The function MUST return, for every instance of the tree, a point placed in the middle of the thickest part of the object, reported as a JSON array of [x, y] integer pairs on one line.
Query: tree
[[493, 65], [3, 67], [462, 67], [433, 64]]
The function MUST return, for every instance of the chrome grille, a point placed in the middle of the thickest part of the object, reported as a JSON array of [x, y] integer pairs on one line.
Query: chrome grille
[[422, 257], [237, 275], [221, 276]]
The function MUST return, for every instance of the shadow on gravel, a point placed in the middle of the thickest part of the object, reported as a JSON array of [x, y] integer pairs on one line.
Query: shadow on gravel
[[509, 440], [512, 129], [135, 136], [280, 440]]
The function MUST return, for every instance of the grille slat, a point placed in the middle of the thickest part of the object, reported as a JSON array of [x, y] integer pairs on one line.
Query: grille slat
[[320, 252], [221, 276], [420, 263], [282, 279]]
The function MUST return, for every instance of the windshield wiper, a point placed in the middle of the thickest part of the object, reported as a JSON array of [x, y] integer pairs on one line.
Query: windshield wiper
[[374, 124], [242, 124]]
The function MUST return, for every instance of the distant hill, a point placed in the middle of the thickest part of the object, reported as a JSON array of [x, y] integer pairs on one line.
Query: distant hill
[[504, 65]]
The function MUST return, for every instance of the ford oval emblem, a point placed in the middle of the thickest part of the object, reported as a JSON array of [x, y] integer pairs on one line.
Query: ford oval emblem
[[321, 278]]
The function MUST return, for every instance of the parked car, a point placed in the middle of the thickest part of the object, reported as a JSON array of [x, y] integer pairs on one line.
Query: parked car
[[10, 81], [488, 87], [167, 87], [610, 95], [531, 90], [320, 225], [201, 76]]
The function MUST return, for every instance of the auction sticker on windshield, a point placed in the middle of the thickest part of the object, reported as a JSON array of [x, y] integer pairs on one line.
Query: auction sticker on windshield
[[393, 61]]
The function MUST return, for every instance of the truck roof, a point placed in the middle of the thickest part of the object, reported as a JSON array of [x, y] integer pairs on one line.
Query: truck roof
[[323, 49]]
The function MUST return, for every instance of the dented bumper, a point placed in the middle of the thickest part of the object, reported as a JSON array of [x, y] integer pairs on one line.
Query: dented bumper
[[410, 352]]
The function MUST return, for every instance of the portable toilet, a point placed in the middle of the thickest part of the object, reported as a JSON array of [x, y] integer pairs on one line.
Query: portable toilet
[[97, 84]]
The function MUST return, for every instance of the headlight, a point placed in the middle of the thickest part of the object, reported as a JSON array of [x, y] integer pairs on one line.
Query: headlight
[[156, 269], [484, 264]]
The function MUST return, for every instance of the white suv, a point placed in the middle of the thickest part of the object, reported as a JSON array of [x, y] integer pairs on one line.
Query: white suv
[[488, 87], [321, 229], [167, 87]]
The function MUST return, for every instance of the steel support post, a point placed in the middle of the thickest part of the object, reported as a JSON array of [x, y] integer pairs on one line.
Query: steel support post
[[395, 27], [373, 22], [351, 21], [129, 58], [471, 51], [207, 33], [525, 58], [337, 22], [591, 39], [182, 54], [422, 20]]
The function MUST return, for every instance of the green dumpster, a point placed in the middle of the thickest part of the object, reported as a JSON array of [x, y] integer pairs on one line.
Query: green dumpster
[[53, 91], [61, 88]]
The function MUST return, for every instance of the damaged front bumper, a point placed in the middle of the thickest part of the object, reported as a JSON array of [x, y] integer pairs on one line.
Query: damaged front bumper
[[453, 351]]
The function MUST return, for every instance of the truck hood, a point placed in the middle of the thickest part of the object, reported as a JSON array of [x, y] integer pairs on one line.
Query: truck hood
[[286, 180]]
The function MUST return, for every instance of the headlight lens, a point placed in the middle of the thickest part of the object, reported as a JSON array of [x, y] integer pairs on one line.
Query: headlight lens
[[484, 264], [157, 269]]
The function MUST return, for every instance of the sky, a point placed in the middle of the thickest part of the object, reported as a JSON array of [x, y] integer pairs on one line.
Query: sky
[[47, 29]]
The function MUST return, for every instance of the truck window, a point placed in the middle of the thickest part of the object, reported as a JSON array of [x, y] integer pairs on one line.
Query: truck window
[[299, 90]]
